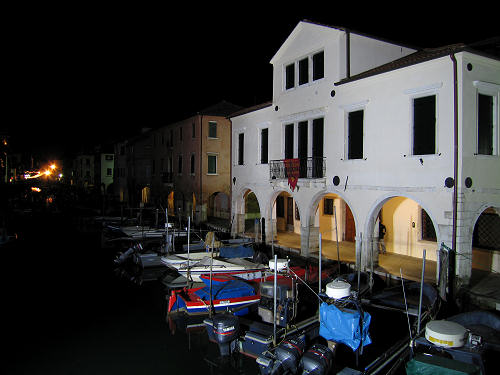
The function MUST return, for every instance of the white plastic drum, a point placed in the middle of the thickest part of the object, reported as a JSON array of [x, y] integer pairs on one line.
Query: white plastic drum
[[280, 264], [338, 289], [445, 333]]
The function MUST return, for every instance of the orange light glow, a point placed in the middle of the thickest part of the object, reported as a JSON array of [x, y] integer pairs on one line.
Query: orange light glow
[[37, 189]]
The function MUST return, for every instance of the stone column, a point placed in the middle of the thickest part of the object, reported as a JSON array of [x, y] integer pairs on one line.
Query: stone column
[[369, 252]]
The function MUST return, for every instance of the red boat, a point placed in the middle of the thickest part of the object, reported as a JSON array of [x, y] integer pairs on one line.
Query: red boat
[[233, 291]]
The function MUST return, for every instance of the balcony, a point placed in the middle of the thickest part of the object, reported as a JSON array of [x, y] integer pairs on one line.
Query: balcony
[[311, 167]]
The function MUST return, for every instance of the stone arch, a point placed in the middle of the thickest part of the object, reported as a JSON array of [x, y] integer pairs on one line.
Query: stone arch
[[286, 215], [485, 238], [218, 205], [315, 200], [332, 220], [239, 210], [372, 232]]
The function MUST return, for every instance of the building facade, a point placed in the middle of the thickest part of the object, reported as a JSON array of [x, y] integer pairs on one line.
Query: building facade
[[362, 131]]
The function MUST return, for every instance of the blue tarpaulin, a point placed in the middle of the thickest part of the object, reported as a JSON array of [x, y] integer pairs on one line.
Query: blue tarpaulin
[[343, 326], [236, 252], [230, 289]]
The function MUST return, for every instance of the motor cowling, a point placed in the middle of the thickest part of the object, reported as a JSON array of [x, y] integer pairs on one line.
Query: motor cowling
[[289, 353], [284, 360], [226, 328], [317, 360]]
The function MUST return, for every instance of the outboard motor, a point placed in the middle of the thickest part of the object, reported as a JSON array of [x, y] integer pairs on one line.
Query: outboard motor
[[226, 328], [286, 358], [286, 300], [317, 360]]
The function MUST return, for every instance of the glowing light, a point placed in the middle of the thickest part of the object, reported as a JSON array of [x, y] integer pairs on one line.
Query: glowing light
[[53, 166], [37, 189]]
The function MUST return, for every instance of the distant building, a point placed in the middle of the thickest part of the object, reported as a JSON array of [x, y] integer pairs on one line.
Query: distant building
[[361, 129], [183, 166]]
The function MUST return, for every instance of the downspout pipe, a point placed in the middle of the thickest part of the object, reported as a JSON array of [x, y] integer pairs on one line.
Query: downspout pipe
[[452, 255], [348, 53]]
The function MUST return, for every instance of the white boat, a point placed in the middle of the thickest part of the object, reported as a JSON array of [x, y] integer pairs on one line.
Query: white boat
[[202, 263]]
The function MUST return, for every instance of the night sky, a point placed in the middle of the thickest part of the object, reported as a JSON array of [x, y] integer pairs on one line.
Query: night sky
[[85, 75]]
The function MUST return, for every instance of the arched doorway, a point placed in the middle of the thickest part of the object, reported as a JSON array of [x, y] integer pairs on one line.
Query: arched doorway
[[286, 220], [252, 214], [486, 241], [218, 206], [334, 220]]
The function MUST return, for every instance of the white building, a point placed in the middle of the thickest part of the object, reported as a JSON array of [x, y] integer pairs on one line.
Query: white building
[[373, 125]]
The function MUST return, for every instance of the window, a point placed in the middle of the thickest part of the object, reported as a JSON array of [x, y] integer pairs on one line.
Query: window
[[109, 171], [355, 135], [303, 71], [300, 72], [264, 135], [192, 164], [327, 206], [212, 129], [289, 141], [485, 124], [317, 147], [318, 65], [109, 157], [212, 164], [193, 130], [290, 76], [424, 125], [241, 144], [179, 164], [280, 206], [428, 232]]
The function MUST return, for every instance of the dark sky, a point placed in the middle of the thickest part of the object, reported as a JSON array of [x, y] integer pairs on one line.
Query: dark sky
[[82, 75]]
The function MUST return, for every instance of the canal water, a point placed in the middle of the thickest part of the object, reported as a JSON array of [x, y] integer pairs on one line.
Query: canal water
[[67, 311]]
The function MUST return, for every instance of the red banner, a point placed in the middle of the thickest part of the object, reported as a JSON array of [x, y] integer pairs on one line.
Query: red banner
[[292, 172]]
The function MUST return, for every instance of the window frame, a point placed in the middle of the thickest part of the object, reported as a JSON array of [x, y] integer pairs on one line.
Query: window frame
[[209, 156], [436, 122], [327, 210], [213, 123], [293, 71], [261, 145], [348, 134], [493, 91]]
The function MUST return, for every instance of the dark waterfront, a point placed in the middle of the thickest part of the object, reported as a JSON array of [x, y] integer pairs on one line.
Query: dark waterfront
[[67, 312]]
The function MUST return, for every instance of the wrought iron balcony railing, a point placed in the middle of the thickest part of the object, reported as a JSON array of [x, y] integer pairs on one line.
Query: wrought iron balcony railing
[[311, 167]]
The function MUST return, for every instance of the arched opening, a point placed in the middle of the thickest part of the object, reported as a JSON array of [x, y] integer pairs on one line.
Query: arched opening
[[486, 241], [408, 228], [286, 219], [252, 214], [170, 204], [333, 218], [218, 206], [145, 195]]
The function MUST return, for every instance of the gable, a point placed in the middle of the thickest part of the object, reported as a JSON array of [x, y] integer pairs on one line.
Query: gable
[[305, 38]]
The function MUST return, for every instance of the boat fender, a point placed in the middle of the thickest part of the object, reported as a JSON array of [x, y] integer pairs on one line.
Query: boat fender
[[172, 300]]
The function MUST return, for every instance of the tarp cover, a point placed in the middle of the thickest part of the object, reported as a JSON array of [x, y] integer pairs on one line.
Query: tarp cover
[[231, 289], [236, 252], [343, 326], [435, 365]]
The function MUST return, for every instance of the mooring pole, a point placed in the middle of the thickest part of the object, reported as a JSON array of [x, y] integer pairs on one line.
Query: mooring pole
[[421, 291], [274, 297]]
